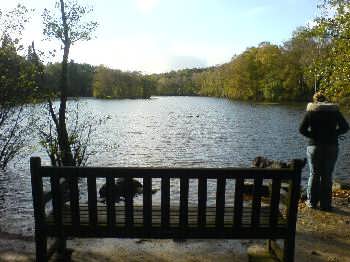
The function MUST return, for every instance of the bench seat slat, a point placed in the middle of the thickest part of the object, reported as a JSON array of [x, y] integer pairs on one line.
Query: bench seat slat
[[111, 219], [174, 221], [129, 203], [202, 200], [184, 188], [245, 232], [256, 201], [275, 200], [165, 201], [220, 201], [141, 172], [147, 203], [237, 216], [74, 199], [57, 201], [92, 198]]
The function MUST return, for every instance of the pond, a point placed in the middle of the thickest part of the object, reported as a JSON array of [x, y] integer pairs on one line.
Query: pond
[[173, 132]]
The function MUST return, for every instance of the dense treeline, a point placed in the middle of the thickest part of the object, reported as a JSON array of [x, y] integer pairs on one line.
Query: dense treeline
[[85, 80], [80, 77], [314, 58], [177, 83], [266, 72], [109, 83]]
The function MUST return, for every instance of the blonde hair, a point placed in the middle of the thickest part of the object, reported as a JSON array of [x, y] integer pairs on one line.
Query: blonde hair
[[319, 97]]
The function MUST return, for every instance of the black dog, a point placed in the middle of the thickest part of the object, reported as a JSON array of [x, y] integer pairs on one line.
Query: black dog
[[122, 188], [263, 162]]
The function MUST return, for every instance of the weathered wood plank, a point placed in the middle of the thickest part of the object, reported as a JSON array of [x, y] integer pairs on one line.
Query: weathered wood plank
[[237, 219], [292, 210], [110, 200], [274, 201], [129, 204], [173, 218], [58, 189], [256, 204], [184, 188], [165, 201], [202, 200], [92, 201], [220, 202], [209, 173], [74, 199], [39, 210], [147, 203], [57, 199]]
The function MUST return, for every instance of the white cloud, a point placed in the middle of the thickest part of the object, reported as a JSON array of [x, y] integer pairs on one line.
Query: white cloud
[[182, 62], [146, 6], [148, 54], [132, 53], [212, 53]]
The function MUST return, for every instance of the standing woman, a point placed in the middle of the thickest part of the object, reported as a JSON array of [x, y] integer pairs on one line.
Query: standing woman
[[322, 124]]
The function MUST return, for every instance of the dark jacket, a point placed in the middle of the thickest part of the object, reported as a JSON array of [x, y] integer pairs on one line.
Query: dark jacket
[[323, 124]]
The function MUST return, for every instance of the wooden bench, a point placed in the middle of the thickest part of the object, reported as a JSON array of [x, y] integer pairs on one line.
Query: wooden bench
[[211, 204]]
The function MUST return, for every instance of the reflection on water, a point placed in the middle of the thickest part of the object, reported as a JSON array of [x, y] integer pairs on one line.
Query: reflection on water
[[174, 131]]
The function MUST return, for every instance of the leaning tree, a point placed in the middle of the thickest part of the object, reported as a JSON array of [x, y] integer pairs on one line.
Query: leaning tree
[[67, 24]]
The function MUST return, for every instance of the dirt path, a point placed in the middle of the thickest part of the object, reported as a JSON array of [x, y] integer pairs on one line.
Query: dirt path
[[325, 236]]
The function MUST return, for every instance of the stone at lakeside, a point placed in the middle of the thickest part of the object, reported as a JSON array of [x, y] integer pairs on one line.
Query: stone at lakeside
[[259, 253], [341, 184]]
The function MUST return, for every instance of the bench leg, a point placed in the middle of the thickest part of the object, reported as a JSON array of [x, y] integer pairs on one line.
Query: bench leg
[[288, 249], [275, 249], [268, 245], [40, 247], [287, 253], [63, 254]]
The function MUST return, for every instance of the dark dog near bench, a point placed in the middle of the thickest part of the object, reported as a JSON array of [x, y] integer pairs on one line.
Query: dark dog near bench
[[263, 162], [121, 188]]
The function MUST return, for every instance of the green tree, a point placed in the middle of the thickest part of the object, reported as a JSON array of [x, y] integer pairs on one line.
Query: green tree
[[110, 83], [80, 78], [17, 84], [333, 28]]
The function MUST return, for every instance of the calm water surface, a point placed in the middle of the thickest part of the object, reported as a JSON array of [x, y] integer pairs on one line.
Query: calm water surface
[[174, 132]]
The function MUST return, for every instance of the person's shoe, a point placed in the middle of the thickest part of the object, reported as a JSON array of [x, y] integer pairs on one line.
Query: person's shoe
[[326, 209], [310, 205]]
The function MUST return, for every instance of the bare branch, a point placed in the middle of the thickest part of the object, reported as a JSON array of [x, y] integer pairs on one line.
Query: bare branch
[[52, 112]]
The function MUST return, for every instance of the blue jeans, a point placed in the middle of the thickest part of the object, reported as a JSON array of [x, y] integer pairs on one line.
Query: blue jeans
[[321, 160]]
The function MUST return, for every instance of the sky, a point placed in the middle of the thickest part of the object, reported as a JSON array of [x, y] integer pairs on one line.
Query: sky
[[153, 36]]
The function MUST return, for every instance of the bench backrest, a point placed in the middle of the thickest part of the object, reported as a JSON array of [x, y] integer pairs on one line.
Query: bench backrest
[[221, 176]]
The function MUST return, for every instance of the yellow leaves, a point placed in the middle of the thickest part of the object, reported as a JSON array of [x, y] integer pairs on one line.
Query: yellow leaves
[[341, 193]]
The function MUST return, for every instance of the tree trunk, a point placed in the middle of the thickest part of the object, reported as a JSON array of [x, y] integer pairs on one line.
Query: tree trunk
[[63, 138]]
